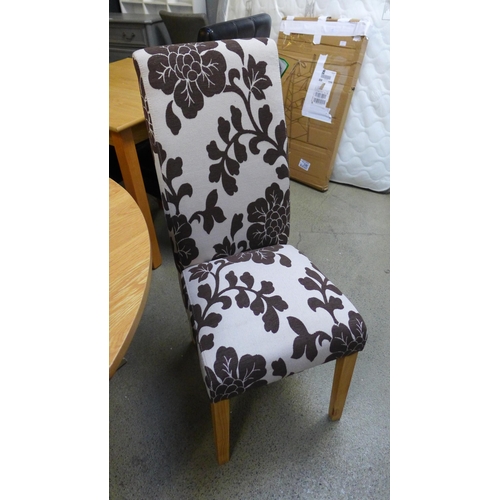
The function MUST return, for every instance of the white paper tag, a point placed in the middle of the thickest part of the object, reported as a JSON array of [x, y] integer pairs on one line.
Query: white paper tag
[[304, 164], [318, 93]]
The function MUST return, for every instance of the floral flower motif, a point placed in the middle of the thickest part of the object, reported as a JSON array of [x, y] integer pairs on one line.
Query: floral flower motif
[[232, 376], [190, 72], [271, 218]]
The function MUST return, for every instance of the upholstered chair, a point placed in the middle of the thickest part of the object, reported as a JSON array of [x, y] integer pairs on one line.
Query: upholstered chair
[[259, 309], [183, 27], [256, 26]]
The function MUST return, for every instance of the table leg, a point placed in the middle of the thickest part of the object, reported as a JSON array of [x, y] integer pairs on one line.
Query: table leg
[[132, 178]]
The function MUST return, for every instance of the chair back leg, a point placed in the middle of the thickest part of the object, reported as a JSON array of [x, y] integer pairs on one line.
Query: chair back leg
[[220, 422], [344, 368]]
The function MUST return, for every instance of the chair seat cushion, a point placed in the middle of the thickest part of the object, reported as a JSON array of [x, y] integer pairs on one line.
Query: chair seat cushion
[[251, 331]]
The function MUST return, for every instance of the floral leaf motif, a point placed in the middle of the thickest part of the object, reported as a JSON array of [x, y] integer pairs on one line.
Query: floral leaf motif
[[248, 279], [305, 342], [235, 47], [253, 145], [255, 78], [206, 342], [233, 166], [185, 249], [281, 136], [251, 369], [314, 303], [270, 317], [201, 272], [205, 292], [216, 170], [240, 151], [229, 182], [282, 172], [211, 214], [158, 149], [174, 168], [265, 118], [348, 339], [214, 153], [226, 363], [236, 118], [266, 287], [257, 306], [224, 128], [225, 301], [172, 120], [331, 306], [333, 289], [236, 224], [212, 320], [271, 156], [313, 282], [242, 299], [231, 376], [284, 260], [224, 249], [231, 279], [267, 306], [184, 190], [357, 325], [279, 368], [339, 346]]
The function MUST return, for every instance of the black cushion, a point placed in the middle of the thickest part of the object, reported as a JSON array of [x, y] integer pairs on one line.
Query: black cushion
[[257, 26], [183, 27]]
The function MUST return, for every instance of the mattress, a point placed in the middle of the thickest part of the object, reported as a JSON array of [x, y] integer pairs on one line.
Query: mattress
[[363, 157]]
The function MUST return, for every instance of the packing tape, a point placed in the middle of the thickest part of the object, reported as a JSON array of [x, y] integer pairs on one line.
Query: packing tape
[[288, 18], [321, 28], [317, 36]]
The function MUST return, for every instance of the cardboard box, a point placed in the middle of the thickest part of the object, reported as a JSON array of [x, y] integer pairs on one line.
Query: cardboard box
[[320, 61]]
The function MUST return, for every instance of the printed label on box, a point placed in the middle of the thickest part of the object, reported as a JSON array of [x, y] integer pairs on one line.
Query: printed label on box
[[318, 93], [283, 66], [304, 164]]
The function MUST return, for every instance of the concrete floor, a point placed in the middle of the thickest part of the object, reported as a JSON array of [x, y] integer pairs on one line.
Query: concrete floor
[[283, 446]]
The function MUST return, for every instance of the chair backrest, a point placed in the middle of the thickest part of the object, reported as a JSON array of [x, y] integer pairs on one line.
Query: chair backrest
[[255, 26], [183, 27], [217, 129]]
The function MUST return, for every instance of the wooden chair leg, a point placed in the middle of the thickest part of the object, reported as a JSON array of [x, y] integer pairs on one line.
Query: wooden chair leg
[[220, 422], [344, 368]]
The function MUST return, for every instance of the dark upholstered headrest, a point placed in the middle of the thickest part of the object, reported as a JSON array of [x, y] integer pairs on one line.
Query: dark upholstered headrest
[[255, 26], [183, 27]]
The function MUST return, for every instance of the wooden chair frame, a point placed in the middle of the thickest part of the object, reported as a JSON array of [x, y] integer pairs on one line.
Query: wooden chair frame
[[344, 368]]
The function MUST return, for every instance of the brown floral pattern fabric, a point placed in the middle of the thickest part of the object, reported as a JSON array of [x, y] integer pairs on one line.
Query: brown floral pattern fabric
[[259, 309], [296, 321]]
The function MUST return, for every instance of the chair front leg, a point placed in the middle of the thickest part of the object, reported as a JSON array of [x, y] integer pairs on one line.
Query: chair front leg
[[220, 423], [344, 368]]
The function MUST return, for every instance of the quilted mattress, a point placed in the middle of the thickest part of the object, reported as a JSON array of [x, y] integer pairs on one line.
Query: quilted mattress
[[363, 155]]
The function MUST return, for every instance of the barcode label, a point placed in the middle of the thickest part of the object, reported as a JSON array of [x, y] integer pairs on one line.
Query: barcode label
[[318, 94], [304, 164], [320, 98]]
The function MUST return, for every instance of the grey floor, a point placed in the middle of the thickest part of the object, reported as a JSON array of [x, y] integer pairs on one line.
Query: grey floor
[[283, 446]]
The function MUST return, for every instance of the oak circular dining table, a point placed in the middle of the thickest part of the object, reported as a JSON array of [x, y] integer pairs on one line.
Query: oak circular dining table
[[129, 271]]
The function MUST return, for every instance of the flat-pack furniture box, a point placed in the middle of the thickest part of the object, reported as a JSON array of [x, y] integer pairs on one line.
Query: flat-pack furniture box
[[320, 62]]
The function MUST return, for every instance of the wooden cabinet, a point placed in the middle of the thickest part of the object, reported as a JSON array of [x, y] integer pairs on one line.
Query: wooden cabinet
[[129, 32], [154, 6]]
